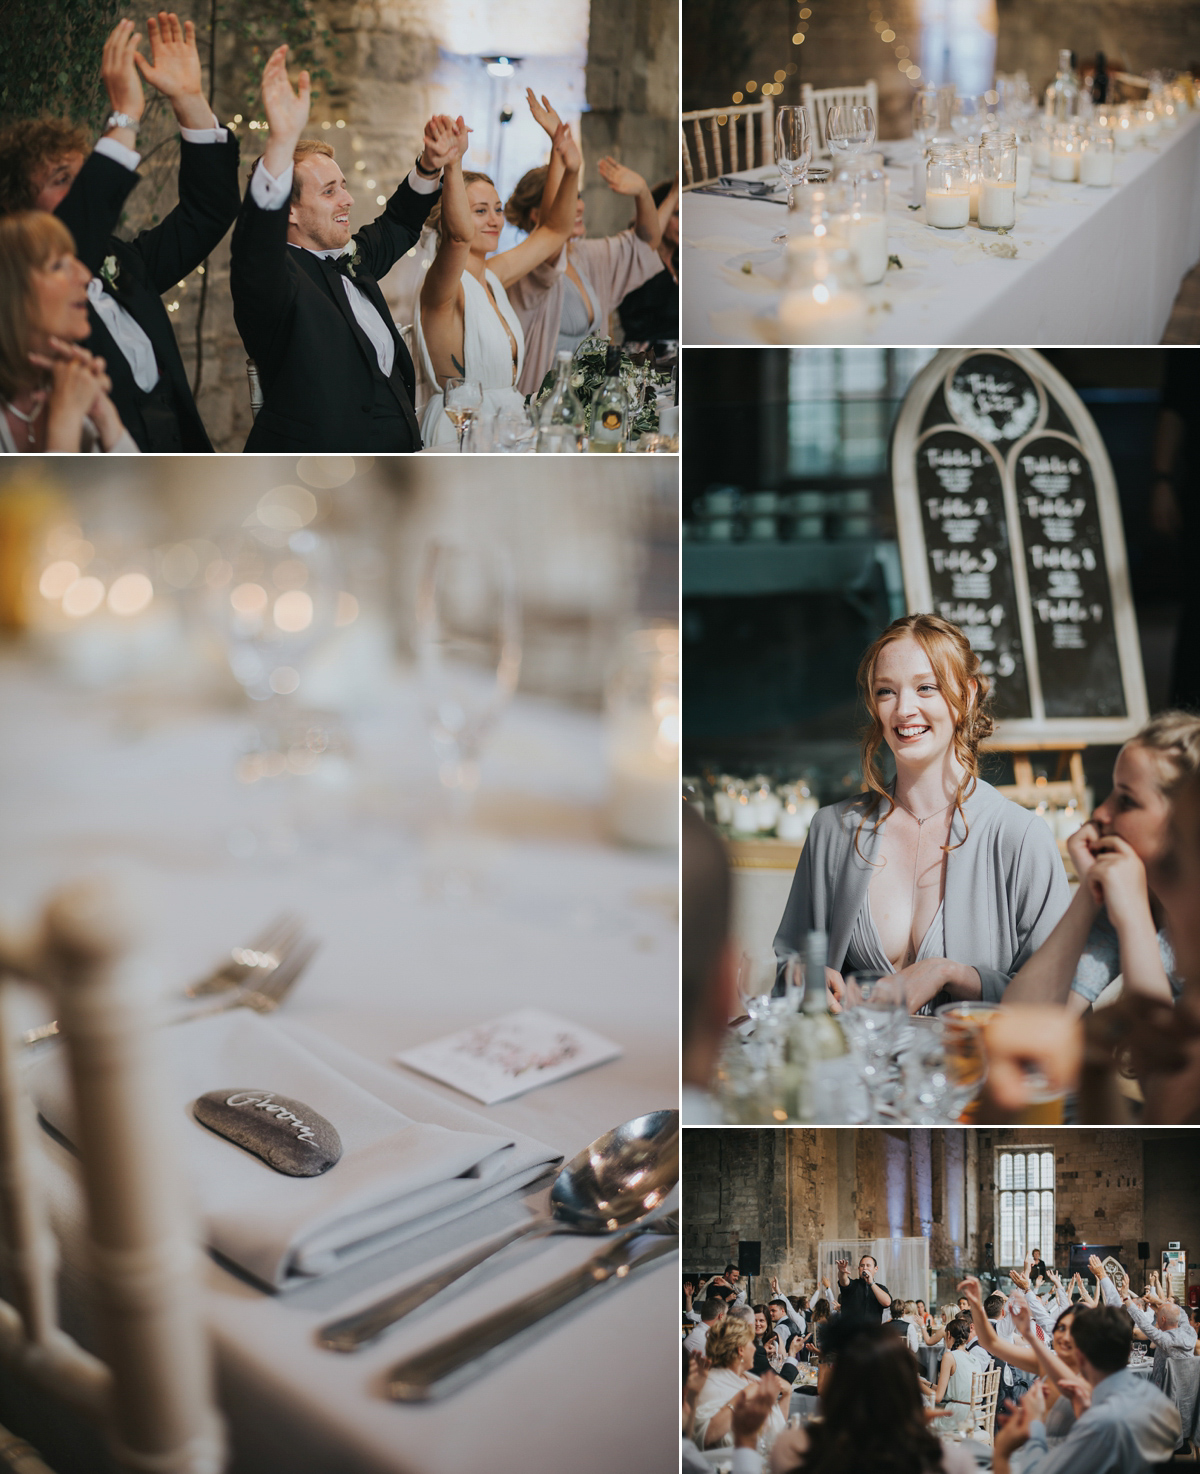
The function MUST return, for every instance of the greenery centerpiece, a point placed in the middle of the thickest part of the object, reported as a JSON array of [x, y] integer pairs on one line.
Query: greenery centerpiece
[[587, 374]]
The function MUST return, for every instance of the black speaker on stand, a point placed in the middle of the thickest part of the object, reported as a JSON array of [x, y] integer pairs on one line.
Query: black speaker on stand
[[749, 1263]]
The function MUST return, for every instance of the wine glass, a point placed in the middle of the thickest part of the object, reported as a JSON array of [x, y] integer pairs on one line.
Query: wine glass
[[849, 130], [793, 150], [462, 398], [873, 1009]]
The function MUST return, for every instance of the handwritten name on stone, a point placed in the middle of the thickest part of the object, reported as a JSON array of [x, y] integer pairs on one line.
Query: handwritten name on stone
[[286, 1134]]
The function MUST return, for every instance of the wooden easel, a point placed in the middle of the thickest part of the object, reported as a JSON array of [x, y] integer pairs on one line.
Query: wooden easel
[[1029, 791]]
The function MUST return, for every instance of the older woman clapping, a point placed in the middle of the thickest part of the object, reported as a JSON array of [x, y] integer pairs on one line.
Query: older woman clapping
[[53, 394], [730, 1350]]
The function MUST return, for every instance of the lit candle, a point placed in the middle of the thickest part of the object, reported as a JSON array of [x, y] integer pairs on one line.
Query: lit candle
[[1064, 163], [948, 209], [1125, 135], [1096, 167], [997, 204], [868, 240], [807, 317]]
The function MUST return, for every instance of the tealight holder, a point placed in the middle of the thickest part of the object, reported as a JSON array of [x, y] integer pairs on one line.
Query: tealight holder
[[1064, 154], [947, 188], [1097, 150], [998, 181]]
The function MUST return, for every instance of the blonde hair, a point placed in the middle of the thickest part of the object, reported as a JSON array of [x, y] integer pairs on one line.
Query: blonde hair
[[526, 198], [27, 241], [955, 665], [304, 150], [1174, 736], [725, 1340], [434, 220]]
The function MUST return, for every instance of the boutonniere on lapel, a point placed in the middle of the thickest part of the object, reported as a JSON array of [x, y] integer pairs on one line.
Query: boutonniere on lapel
[[350, 256], [109, 271]]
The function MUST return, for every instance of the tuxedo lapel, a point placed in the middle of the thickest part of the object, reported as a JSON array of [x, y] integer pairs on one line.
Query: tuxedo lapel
[[400, 382]]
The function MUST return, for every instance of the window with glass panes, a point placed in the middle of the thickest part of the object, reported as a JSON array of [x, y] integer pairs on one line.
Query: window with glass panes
[[1025, 1204], [842, 403]]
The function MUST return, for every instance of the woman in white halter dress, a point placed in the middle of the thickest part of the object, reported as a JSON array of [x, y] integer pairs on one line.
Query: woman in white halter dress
[[464, 325]]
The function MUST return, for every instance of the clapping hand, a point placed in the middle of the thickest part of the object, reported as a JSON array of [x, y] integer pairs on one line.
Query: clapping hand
[[118, 69], [619, 178], [287, 111], [543, 114], [748, 1412], [1079, 1391], [174, 69], [444, 142], [567, 149]]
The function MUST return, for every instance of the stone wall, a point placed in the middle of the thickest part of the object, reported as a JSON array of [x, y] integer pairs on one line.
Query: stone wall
[[791, 1188], [1135, 35], [1099, 1186]]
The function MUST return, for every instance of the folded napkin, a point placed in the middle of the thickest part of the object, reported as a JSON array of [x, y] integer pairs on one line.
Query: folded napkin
[[400, 1174]]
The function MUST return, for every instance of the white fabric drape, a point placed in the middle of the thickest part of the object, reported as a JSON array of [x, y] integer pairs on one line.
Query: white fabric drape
[[903, 1263]]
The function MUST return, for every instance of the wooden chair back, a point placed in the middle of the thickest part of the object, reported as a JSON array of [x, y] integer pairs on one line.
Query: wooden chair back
[[151, 1390], [818, 101], [705, 134], [985, 1392]]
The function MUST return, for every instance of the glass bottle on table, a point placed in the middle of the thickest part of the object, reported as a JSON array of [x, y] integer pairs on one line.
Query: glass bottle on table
[[562, 419], [610, 408], [1062, 95], [815, 1041]]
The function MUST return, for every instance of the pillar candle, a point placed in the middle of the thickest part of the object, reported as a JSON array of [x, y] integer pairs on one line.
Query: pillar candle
[[947, 209]]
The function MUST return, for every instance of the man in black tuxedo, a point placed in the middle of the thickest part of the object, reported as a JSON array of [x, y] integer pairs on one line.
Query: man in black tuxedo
[[335, 373], [43, 166]]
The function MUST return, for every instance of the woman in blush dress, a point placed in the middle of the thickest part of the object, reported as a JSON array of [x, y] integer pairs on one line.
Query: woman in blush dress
[[53, 393], [572, 295], [464, 325], [934, 878]]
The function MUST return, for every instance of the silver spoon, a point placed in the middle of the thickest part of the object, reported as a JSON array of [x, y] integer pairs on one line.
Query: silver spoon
[[617, 1180]]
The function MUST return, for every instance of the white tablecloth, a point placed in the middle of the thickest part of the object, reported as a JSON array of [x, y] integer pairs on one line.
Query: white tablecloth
[[1092, 265], [576, 925]]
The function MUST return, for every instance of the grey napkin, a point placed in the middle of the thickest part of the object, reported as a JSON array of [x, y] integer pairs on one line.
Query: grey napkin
[[399, 1175]]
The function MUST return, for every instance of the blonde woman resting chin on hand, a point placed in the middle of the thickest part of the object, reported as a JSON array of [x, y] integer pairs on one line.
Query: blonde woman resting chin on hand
[[1115, 923], [465, 326], [53, 393], [936, 879]]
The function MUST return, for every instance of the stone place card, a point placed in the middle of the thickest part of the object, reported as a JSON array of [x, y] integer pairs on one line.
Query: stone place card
[[285, 1133], [510, 1055]]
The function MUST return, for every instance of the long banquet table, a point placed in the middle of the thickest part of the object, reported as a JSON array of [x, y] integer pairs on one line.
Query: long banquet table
[[1092, 265], [576, 925]]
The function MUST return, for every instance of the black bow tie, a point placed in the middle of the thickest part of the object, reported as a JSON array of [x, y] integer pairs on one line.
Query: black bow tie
[[344, 266]]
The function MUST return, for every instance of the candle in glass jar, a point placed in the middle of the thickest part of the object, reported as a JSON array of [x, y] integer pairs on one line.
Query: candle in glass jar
[[1024, 172], [806, 317], [1041, 152], [1096, 167], [1124, 134], [867, 235], [948, 209], [997, 204], [1064, 164]]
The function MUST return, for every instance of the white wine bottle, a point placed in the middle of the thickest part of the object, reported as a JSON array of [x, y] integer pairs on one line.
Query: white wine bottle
[[610, 408], [562, 418], [815, 1041]]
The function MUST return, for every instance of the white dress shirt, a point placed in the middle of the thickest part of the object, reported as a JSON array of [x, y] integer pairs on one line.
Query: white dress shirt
[[128, 334], [269, 193], [696, 1339]]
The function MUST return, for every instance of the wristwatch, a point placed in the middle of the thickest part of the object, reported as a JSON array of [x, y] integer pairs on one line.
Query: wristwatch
[[122, 120]]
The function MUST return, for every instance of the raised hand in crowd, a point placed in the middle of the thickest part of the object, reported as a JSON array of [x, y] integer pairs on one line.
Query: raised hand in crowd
[[697, 1375], [174, 69], [751, 1409], [543, 113], [287, 111], [122, 82], [625, 181]]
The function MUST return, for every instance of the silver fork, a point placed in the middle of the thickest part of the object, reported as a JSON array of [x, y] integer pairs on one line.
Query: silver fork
[[265, 998], [256, 959]]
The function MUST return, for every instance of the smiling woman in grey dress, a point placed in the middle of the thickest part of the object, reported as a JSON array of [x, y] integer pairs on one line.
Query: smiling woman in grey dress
[[937, 877]]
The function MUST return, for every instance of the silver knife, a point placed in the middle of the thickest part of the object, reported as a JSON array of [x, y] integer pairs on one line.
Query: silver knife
[[443, 1367]]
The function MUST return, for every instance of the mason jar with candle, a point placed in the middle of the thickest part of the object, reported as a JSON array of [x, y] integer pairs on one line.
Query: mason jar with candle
[[824, 302], [643, 736], [998, 181], [947, 188], [1024, 135], [1149, 119], [865, 222], [1124, 128], [1096, 158], [1064, 154], [1040, 133]]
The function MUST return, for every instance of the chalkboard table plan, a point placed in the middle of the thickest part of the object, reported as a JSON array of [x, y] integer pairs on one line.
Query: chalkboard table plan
[[1009, 526]]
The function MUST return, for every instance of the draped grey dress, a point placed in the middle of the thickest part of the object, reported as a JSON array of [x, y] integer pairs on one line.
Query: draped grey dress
[[1005, 890]]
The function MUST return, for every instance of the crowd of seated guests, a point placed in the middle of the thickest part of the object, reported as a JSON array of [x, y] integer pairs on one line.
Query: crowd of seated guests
[[1070, 1403]]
